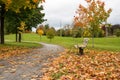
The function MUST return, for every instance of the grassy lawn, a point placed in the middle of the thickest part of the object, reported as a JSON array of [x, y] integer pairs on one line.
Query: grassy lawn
[[22, 44], [10, 41], [111, 44]]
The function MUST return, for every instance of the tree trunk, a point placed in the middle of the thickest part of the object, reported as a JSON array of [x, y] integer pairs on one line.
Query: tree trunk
[[2, 24], [16, 35], [19, 37], [93, 33], [0, 28]]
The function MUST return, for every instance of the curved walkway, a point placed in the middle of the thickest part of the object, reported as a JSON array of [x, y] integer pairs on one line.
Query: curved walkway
[[28, 66]]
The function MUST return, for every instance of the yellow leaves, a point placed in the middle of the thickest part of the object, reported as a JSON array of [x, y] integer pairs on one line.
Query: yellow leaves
[[94, 65], [40, 32], [27, 1], [8, 51], [22, 23], [22, 27], [16, 5], [7, 4]]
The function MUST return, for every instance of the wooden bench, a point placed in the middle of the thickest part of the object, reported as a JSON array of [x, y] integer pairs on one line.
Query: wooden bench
[[82, 46]]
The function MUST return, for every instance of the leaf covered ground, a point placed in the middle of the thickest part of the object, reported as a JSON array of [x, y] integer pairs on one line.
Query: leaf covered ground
[[10, 51], [23, 63], [94, 65]]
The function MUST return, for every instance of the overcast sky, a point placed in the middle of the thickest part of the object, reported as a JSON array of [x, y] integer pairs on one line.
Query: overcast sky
[[61, 12]]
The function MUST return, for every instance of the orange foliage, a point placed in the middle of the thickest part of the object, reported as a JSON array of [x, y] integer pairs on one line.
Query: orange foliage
[[94, 65], [92, 14], [9, 51]]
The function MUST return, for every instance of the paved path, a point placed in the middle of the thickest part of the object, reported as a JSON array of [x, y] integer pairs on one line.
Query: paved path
[[28, 66]]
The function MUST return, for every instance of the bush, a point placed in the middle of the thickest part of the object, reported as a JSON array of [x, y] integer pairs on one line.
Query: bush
[[50, 34], [117, 32]]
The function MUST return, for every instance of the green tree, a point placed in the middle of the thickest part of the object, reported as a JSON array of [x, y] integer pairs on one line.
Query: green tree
[[36, 17], [60, 32], [30, 17], [67, 29], [46, 27], [14, 5], [77, 32], [50, 34], [117, 32]]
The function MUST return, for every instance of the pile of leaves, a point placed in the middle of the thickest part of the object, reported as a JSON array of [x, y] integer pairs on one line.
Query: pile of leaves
[[9, 51], [94, 65]]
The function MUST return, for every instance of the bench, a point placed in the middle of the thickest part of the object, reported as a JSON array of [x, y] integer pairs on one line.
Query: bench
[[82, 46]]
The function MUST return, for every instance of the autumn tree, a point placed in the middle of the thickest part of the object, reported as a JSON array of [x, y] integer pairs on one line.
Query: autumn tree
[[40, 31], [14, 5], [92, 15], [21, 29]]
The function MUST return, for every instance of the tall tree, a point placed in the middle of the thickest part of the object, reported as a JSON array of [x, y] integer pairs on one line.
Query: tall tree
[[36, 17], [30, 17], [92, 16], [2, 12], [14, 5]]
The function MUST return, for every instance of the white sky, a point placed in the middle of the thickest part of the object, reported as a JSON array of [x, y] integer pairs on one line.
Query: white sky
[[61, 12]]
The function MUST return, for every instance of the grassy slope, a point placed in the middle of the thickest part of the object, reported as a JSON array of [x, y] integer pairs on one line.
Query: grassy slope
[[100, 43], [10, 41]]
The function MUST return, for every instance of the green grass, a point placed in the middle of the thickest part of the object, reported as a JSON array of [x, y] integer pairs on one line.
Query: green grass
[[10, 41], [22, 44], [111, 44]]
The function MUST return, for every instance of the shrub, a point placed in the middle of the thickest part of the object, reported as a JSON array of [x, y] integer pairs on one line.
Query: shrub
[[50, 34], [117, 32]]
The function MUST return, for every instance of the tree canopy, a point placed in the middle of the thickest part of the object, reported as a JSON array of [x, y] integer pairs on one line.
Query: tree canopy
[[31, 17], [93, 15], [15, 6]]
